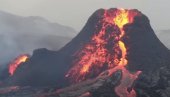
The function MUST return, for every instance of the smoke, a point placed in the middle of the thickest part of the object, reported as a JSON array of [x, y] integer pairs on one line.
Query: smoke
[[20, 35]]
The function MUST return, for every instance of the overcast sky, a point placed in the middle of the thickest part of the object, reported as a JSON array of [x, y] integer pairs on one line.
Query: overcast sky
[[74, 13]]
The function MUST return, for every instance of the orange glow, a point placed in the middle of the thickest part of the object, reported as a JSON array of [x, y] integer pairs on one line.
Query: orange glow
[[123, 60], [84, 69], [14, 65], [95, 55], [122, 18], [107, 51]]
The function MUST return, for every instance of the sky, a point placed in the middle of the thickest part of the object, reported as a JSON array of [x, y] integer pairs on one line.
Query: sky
[[74, 13]]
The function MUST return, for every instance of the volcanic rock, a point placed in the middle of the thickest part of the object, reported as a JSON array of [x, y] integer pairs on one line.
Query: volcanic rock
[[145, 53]]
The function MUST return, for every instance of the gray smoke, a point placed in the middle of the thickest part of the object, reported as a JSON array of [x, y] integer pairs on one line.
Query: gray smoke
[[19, 35]]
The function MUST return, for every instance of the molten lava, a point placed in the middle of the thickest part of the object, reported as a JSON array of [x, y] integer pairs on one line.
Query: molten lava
[[14, 65], [107, 51]]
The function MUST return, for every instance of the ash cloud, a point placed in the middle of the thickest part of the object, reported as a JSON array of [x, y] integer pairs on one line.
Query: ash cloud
[[20, 35]]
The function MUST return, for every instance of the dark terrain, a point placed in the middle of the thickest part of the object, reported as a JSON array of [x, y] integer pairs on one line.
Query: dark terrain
[[47, 68]]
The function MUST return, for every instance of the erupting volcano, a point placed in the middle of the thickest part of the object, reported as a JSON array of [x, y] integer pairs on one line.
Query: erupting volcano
[[116, 54], [106, 50], [14, 65]]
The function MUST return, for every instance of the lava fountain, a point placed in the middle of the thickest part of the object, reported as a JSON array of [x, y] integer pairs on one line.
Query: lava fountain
[[14, 65], [107, 51]]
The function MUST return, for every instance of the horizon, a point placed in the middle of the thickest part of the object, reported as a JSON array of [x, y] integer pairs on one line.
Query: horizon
[[54, 11]]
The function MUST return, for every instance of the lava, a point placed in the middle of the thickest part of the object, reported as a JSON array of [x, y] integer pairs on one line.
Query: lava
[[14, 65], [107, 51], [123, 60], [127, 83]]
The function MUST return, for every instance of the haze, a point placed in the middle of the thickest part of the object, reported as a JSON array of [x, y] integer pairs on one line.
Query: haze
[[74, 13]]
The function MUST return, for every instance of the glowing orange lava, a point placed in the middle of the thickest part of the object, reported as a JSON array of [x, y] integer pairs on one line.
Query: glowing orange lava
[[107, 51], [14, 65]]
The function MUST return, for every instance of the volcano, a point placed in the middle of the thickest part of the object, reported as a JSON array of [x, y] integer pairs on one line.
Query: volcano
[[116, 54]]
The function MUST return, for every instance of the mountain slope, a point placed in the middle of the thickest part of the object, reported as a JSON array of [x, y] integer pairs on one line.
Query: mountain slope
[[24, 34], [163, 35]]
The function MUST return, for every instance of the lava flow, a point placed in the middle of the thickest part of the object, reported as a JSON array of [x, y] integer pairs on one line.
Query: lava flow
[[14, 65], [107, 51]]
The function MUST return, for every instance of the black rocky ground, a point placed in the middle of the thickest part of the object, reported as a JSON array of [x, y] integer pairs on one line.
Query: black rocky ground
[[154, 84]]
